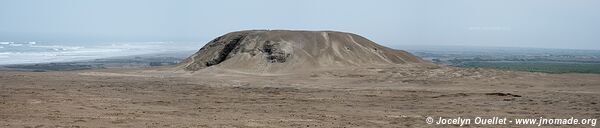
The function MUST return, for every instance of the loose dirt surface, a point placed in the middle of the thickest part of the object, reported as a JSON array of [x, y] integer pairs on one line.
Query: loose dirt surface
[[396, 96]]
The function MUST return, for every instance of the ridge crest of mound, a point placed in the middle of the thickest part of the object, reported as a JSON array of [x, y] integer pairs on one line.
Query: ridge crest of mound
[[286, 50]]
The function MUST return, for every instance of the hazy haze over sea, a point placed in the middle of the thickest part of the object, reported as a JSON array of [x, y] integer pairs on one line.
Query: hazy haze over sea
[[44, 52]]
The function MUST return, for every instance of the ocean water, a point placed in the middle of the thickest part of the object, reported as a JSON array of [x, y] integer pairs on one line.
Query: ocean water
[[45, 52]]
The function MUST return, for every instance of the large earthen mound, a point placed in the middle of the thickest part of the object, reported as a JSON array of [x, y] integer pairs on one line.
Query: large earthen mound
[[285, 51]]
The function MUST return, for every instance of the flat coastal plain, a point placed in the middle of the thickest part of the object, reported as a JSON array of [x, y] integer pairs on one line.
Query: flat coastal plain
[[391, 96]]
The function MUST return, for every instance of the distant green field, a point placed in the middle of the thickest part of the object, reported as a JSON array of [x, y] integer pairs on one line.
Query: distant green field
[[546, 67]]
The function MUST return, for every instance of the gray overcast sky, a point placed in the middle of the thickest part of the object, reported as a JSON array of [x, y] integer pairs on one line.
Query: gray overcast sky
[[515, 23]]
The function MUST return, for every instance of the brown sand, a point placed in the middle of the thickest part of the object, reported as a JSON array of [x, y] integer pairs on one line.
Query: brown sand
[[394, 96]]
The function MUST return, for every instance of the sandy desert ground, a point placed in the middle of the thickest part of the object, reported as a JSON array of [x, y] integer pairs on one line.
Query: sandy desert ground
[[393, 96]]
